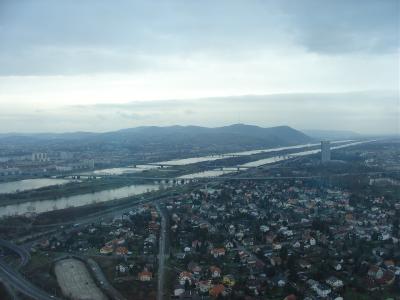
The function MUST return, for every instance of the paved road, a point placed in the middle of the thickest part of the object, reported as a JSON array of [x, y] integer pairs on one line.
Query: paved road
[[19, 283], [161, 256], [101, 278], [14, 279], [22, 252]]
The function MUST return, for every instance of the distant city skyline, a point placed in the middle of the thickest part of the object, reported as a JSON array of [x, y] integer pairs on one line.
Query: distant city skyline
[[101, 66]]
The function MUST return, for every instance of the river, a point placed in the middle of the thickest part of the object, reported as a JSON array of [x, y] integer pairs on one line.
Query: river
[[120, 171], [123, 192], [77, 200], [194, 160], [29, 184]]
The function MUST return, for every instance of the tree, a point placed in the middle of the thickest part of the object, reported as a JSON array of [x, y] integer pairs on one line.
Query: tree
[[187, 285], [283, 253]]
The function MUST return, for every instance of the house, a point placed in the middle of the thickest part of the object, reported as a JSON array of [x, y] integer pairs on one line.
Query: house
[[387, 278], [251, 261], [281, 283], [120, 241], [229, 245], [334, 282], [375, 272], [229, 280], [215, 272], [217, 252], [196, 270], [145, 275], [264, 228], [239, 235], [217, 290], [231, 229], [107, 249], [203, 225], [196, 243], [185, 276], [252, 287], [276, 246], [179, 290], [304, 264], [204, 286], [337, 266], [322, 290], [44, 244], [121, 268], [121, 251], [389, 263]]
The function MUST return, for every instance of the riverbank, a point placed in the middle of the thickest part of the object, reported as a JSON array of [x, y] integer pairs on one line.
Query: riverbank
[[109, 188]]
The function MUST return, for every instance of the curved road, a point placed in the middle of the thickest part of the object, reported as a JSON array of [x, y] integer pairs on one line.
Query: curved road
[[22, 252], [15, 279], [18, 282], [104, 283]]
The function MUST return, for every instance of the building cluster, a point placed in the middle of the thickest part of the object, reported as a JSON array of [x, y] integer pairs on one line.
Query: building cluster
[[126, 246], [44, 163], [282, 239]]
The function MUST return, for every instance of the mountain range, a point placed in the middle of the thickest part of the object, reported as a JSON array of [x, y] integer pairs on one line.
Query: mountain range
[[237, 135]]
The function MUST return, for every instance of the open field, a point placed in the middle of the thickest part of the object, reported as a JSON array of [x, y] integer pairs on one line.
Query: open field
[[76, 282]]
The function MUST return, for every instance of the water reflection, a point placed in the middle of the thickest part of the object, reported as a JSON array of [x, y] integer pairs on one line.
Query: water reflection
[[121, 171], [29, 184], [113, 194], [275, 159], [77, 200], [193, 160]]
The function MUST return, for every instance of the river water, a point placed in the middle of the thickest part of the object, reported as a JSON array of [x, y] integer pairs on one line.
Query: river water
[[194, 160], [275, 159], [123, 192], [211, 173], [121, 171], [77, 200], [29, 184]]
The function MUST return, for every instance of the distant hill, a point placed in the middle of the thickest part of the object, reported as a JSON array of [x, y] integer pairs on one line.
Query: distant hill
[[331, 134], [237, 136]]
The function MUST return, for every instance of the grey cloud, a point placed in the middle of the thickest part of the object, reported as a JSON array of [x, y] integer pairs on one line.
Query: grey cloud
[[135, 116], [42, 37], [138, 105], [342, 26]]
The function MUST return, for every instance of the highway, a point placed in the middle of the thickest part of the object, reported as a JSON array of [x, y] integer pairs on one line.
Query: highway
[[22, 252], [161, 256], [18, 282]]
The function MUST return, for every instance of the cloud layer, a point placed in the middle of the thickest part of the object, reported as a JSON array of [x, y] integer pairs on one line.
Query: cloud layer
[[57, 54], [357, 111], [43, 37]]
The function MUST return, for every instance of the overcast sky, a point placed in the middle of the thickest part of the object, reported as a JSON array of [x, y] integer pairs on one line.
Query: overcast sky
[[103, 65]]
